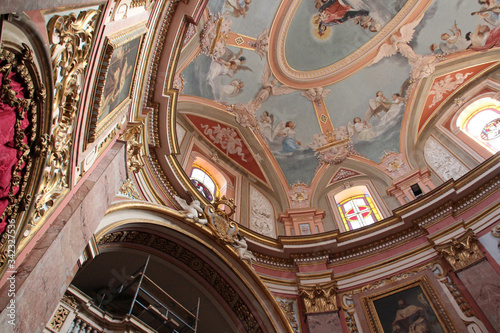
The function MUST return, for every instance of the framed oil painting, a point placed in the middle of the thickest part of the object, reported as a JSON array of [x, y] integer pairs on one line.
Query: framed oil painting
[[116, 74], [414, 308]]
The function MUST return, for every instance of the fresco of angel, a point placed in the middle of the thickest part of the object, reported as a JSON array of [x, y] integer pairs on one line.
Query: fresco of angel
[[238, 7], [266, 125], [489, 11], [227, 65], [377, 105], [361, 128], [451, 42], [287, 131], [421, 66], [484, 38], [232, 89], [269, 87]]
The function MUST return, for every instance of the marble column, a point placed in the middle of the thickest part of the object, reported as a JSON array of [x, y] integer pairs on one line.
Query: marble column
[[44, 276]]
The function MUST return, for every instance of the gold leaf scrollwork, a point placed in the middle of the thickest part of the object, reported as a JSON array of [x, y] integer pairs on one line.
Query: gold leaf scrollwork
[[70, 38], [319, 298], [129, 190], [461, 252], [288, 310], [134, 147], [59, 318]]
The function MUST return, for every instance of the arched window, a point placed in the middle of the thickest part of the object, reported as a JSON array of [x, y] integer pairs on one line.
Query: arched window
[[204, 183], [481, 122], [356, 207]]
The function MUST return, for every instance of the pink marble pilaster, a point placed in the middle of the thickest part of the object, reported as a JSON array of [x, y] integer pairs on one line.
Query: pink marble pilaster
[[46, 273], [483, 283], [326, 322]]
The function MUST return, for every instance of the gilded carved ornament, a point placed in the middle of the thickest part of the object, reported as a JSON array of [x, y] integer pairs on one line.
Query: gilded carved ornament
[[496, 232], [134, 147], [287, 306], [22, 98], [461, 252], [319, 298], [70, 38]]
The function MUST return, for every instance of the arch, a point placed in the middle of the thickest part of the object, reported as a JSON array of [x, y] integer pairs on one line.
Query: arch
[[162, 232]]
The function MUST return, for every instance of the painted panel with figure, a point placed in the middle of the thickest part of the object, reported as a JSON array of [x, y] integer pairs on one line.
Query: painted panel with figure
[[411, 308]]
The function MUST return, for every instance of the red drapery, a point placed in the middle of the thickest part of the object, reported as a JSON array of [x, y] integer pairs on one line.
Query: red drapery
[[9, 153]]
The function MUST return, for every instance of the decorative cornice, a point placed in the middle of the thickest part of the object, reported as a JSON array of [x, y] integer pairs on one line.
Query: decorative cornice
[[319, 298], [461, 252]]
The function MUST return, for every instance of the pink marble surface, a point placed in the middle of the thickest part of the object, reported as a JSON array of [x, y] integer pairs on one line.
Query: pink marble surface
[[483, 283], [45, 275], [328, 322]]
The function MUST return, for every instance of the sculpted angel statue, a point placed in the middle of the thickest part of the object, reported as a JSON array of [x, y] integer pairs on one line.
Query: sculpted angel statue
[[192, 210], [241, 247], [421, 66]]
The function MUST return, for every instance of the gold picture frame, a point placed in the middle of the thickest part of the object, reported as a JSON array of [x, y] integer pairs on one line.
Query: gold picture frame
[[414, 304], [115, 79]]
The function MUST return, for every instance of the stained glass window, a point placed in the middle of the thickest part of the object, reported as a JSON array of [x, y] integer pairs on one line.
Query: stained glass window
[[481, 122], [204, 183], [358, 211]]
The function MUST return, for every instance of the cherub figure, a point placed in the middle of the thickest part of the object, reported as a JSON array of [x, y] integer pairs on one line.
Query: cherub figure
[[361, 128], [192, 210], [269, 87], [241, 247], [239, 7], [232, 89]]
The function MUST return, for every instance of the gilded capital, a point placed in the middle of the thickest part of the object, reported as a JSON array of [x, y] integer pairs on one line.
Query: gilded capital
[[319, 298], [462, 251]]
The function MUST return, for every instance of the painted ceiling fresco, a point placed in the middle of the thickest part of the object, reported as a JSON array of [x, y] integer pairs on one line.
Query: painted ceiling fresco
[[319, 81]]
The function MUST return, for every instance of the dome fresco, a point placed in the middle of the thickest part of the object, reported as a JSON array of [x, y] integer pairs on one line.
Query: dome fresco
[[308, 73]]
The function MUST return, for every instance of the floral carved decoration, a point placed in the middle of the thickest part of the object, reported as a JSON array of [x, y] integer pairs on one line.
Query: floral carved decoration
[[22, 95], [70, 39]]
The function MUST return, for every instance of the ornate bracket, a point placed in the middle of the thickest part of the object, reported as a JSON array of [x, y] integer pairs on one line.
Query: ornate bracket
[[134, 147], [461, 252], [319, 298]]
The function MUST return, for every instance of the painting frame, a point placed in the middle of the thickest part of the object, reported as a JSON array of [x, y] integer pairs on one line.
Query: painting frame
[[115, 79], [380, 316]]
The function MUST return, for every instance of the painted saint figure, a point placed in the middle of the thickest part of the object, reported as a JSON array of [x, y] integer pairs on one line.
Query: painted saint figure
[[290, 144], [410, 318], [333, 12]]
